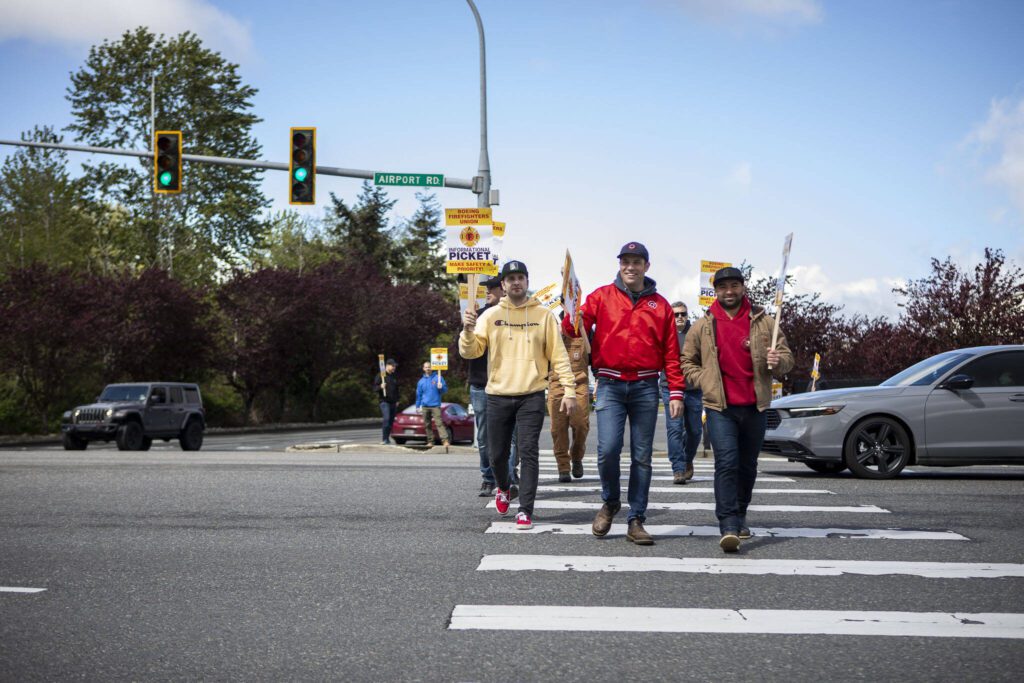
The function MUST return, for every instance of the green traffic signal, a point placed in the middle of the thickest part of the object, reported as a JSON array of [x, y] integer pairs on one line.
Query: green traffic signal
[[301, 174], [166, 178]]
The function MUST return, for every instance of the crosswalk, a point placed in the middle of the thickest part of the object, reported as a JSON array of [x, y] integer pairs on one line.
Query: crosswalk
[[578, 613]]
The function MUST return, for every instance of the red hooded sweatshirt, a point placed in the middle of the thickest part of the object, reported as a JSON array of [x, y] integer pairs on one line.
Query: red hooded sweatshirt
[[733, 338]]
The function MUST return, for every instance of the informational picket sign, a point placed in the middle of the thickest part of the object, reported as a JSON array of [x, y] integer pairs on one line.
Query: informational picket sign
[[481, 297], [550, 297], [439, 358], [780, 287], [383, 372], [572, 293], [470, 241], [815, 372], [498, 248], [707, 280], [776, 389]]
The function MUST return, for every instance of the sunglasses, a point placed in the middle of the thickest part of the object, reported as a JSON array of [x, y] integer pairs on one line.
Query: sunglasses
[[682, 315]]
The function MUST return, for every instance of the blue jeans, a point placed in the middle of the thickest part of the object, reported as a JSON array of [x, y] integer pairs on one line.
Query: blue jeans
[[737, 434], [683, 432], [617, 400], [387, 418], [478, 398]]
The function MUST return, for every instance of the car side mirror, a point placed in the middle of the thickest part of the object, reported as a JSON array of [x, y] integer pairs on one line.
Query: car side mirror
[[958, 383]]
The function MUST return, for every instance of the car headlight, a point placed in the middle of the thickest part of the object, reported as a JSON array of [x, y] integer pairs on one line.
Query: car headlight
[[109, 413], [77, 411], [813, 412]]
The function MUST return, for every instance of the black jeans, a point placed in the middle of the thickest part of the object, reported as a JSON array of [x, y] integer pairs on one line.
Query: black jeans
[[388, 411], [526, 415]]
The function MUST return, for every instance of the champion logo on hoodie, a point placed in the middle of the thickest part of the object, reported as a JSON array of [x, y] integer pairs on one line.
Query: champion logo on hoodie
[[503, 323]]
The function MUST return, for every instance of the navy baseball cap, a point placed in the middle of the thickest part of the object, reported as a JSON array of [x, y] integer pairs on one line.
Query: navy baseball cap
[[514, 267], [392, 361], [729, 273], [634, 249], [491, 282]]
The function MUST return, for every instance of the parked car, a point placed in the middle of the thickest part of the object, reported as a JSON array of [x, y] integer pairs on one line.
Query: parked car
[[963, 407], [408, 425], [132, 415]]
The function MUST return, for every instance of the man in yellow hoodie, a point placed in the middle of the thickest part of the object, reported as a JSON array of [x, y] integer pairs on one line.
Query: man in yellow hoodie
[[522, 340]]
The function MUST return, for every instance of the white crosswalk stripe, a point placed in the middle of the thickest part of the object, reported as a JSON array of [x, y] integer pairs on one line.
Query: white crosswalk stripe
[[669, 530], [583, 505], [681, 620], [709, 565], [673, 489]]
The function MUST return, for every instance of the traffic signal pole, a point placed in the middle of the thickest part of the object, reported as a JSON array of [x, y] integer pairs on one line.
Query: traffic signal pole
[[455, 183]]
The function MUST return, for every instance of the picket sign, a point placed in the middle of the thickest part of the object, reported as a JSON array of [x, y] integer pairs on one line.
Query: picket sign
[[383, 372], [780, 286]]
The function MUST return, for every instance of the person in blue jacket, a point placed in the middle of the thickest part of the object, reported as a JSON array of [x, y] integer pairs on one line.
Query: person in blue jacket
[[429, 390]]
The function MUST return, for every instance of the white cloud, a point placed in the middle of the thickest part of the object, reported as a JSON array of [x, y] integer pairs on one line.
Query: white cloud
[[742, 175], [743, 12], [1000, 140], [80, 24], [869, 296]]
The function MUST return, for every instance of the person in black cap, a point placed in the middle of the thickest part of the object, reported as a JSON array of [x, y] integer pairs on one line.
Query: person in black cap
[[522, 342], [728, 355], [478, 399], [389, 397], [634, 339]]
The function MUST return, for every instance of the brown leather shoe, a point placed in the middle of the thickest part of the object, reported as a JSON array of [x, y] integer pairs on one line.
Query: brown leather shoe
[[637, 534], [678, 478], [688, 474], [603, 521]]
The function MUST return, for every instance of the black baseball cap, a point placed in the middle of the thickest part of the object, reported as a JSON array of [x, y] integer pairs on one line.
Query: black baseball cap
[[492, 282], [729, 273], [634, 249], [514, 267], [391, 361]]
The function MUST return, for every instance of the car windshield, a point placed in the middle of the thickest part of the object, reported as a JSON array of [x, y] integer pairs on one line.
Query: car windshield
[[927, 371], [125, 392]]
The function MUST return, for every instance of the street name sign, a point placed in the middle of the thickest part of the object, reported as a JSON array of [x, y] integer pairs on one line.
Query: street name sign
[[409, 179]]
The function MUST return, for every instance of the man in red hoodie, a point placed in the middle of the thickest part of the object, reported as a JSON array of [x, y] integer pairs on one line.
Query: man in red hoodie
[[634, 339], [728, 355]]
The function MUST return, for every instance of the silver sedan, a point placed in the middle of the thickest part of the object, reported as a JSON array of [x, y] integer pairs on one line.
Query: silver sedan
[[963, 407]]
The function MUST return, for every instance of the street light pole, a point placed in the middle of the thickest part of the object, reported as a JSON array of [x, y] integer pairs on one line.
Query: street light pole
[[484, 196]]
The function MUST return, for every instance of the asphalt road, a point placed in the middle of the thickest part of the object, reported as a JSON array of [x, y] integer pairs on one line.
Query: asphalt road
[[263, 565]]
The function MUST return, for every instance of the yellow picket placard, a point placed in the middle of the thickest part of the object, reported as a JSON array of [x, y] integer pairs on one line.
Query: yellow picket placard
[[477, 216], [707, 284], [439, 358]]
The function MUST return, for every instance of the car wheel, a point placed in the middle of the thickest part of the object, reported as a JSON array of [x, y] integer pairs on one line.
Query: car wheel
[[399, 440], [826, 467], [877, 448], [146, 443], [129, 436], [74, 443], [191, 438]]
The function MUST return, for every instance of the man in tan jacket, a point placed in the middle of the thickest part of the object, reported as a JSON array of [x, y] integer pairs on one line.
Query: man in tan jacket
[[579, 422], [728, 355], [522, 341]]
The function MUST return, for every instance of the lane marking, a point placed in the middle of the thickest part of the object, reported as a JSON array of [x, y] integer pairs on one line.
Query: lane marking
[[15, 589], [584, 505], [682, 620], [773, 532], [659, 477], [709, 565], [671, 489]]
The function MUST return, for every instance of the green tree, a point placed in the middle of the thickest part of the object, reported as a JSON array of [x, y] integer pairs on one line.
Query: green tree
[[294, 242], [422, 249], [216, 218], [44, 213], [362, 231]]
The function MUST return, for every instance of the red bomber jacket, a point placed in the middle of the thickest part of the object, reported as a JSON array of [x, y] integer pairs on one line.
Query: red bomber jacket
[[631, 340]]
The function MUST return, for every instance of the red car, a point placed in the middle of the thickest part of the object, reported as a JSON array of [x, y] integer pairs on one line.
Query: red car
[[408, 425]]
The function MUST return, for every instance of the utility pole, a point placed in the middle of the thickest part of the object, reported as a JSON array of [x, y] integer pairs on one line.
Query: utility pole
[[483, 187]]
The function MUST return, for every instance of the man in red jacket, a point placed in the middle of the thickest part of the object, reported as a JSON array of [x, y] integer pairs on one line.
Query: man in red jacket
[[634, 339]]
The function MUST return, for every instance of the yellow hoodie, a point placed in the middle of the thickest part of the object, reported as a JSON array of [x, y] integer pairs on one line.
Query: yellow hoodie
[[521, 343]]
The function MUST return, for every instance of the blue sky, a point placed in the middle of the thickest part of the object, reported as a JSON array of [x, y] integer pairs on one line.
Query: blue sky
[[881, 133]]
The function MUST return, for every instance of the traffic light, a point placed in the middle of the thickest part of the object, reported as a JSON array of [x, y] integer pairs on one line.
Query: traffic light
[[302, 167], [167, 161]]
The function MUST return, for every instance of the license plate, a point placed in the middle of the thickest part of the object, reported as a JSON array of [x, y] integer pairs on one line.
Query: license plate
[[410, 431]]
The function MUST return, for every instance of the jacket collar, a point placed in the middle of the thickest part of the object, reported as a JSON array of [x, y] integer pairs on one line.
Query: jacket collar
[[650, 287]]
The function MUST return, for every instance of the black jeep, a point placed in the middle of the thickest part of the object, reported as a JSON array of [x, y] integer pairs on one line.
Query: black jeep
[[135, 414]]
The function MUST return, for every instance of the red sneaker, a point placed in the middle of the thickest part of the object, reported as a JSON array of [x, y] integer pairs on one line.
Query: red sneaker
[[523, 521], [501, 501]]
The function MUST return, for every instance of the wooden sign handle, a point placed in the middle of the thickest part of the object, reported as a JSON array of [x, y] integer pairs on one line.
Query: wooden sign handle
[[471, 284]]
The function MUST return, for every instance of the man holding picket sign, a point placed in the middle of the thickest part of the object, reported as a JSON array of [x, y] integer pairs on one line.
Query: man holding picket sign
[[731, 354]]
